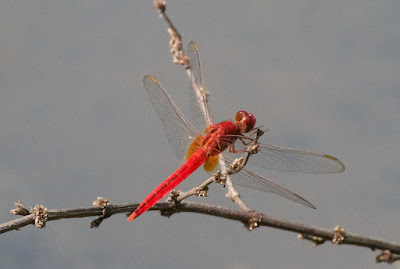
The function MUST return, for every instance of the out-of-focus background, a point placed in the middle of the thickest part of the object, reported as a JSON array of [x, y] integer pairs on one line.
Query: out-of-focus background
[[76, 123]]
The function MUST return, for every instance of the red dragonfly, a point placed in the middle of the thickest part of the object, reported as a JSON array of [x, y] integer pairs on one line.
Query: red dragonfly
[[206, 148]]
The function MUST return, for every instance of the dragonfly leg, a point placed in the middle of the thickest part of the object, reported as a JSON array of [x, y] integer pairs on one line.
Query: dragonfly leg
[[231, 148], [250, 137]]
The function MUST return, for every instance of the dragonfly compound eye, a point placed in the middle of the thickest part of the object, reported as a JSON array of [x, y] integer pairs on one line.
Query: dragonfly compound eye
[[246, 121]]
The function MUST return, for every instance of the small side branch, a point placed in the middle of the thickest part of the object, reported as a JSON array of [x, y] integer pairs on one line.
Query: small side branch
[[200, 190]]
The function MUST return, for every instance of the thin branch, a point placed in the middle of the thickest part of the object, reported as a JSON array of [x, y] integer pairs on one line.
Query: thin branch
[[200, 190], [175, 43], [337, 236], [232, 193], [179, 57]]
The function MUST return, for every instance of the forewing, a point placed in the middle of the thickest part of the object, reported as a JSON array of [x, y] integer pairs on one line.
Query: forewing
[[295, 160], [179, 131]]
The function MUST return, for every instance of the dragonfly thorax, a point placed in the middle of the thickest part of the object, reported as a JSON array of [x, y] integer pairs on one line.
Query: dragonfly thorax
[[220, 136], [217, 138]]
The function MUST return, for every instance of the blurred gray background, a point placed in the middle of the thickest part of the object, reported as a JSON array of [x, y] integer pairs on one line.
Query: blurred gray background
[[76, 123]]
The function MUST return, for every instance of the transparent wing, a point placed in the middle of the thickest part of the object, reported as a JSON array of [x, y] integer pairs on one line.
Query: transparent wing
[[295, 160], [198, 95], [248, 179], [179, 131]]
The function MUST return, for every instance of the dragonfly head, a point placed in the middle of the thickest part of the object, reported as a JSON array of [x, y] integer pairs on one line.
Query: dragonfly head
[[245, 121]]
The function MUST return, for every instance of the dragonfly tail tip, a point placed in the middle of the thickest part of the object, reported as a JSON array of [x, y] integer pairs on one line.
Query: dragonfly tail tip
[[132, 217]]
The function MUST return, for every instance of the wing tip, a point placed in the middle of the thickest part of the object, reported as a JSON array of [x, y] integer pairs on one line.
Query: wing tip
[[303, 201], [194, 45], [312, 206], [150, 77], [341, 165]]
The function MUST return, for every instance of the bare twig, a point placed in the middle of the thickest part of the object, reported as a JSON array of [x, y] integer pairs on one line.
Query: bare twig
[[315, 234], [175, 43], [200, 190]]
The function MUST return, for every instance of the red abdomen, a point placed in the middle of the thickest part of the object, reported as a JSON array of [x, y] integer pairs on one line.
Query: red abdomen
[[194, 162]]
